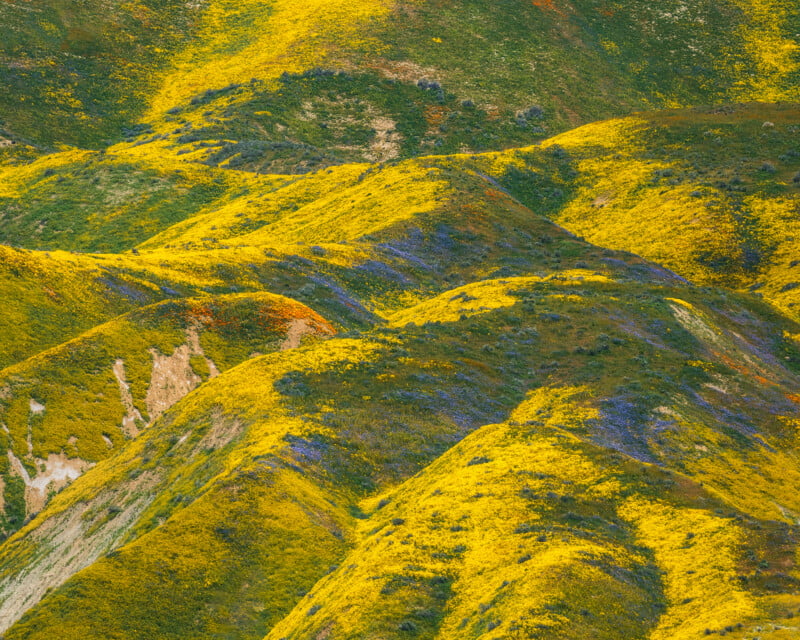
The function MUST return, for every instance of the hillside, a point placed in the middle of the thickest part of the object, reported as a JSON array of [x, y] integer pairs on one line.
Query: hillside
[[659, 391], [711, 193], [86, 75], [65, 408], [399, 319]]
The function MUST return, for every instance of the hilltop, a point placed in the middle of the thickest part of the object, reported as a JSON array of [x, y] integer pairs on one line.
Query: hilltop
[[670, 403]]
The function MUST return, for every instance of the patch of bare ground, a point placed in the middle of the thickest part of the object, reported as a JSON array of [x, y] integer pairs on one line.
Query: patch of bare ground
[[171, 380], [300, 327], [386, 144], [67, 542], [54, 474], [132, 414], [223, 430], [405, 71]]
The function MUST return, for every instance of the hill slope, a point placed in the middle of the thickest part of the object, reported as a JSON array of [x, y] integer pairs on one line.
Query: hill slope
[[71, 406], [79, 75], [399, 319], [709, 193], [461, 295], [329, 428]]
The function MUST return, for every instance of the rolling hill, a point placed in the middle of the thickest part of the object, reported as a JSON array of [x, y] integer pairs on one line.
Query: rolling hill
[[89, 75], [409, 319]]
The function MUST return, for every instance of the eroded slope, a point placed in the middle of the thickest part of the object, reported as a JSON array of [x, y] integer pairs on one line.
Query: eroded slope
[[646, 388]]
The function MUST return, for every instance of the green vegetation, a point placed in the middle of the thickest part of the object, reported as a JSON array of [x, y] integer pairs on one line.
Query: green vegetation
[[399, 320], [86, 398], [709, 193], [96, 202], [97, 73], [350, 418]]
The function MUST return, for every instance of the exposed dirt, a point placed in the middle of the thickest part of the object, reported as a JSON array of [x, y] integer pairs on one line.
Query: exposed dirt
[[603, 199], [223, 430], [386, 142], [132, 414], [59, 471], [386, 145], [171, 380], [193, 340], [325, 632], [298, 328], [406, 71], [694, 325], [64, 545]]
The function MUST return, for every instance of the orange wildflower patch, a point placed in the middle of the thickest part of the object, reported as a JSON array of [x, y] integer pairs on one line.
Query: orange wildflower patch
[[737, 366], [435, 115], [202, 314], [547, 5], [280, 317]]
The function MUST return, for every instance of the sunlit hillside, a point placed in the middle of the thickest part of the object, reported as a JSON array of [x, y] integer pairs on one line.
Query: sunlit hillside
[[88, 73], [399, 319], [711, 193]]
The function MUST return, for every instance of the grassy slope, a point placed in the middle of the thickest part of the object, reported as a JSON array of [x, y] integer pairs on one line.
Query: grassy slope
[[643, 383], [86, 201], [693, 381], [709, 193], [578, 62], [449, 222], [459, 228], [525, 530], [329, 232], [49, 298], [379, 264], [661, 442], [436, 77], [82, 409], [512, 52], [85, 68]]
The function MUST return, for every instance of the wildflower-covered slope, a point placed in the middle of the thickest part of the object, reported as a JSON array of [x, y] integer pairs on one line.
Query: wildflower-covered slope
[[711, 193], [92, 73], [501, 439], [71, 406], [619, 402], [356, 320]]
